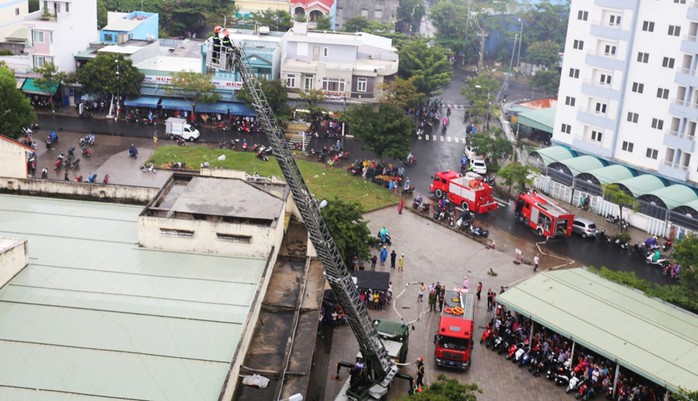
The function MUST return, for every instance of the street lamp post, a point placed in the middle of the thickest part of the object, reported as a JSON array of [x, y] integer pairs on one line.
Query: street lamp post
[[412, 18], [513, 49], [518, 55], [118, 90]]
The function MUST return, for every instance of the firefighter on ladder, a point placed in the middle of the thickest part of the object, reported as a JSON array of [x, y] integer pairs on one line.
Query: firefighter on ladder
[[216, 39], [228, 49]]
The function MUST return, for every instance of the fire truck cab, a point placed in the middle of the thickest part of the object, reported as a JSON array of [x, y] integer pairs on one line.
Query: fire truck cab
[[545, 216], [469, 191], [454, 340]]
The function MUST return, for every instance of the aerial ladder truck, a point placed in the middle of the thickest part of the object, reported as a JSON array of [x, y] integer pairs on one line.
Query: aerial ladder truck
[[379, 368]]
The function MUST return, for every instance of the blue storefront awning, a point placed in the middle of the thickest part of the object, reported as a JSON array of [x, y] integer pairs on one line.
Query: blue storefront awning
[[236, 109], [175, 104], [143, 101]]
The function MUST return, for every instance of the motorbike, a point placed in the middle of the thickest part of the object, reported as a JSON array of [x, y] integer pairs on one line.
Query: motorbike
[[520, 352], [602, 237], [106, 179], [672, 271], [424, 208], [479, 232], [417, 202], [133, 152], [486, 334], [179, 165], [87, 152], [262, 156], [574, 383], [244, 146], [440, 213], [513, 349], [87, 140], [657, 260], [149, 168], [617, 220], [92, 178], [71, 153], [451, 218], [75, 164]]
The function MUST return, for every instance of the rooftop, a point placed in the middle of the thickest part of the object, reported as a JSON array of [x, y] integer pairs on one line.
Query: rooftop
[[125, 22], [95, 317]]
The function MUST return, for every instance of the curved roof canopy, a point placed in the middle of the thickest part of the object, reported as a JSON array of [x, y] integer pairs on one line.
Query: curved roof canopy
[[652, 338], [689, 208], [607, 175], [553, 154], [578, 165], [672, 196], [641, 185]]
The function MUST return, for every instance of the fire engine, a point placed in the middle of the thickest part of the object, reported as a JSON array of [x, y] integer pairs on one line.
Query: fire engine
[[469, 190], [545, 216], [454, 340]]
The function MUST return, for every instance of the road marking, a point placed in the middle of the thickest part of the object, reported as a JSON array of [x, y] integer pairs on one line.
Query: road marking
[[448, 139]]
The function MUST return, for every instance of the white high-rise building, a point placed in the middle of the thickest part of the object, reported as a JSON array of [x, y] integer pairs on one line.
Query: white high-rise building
[[629, 87]]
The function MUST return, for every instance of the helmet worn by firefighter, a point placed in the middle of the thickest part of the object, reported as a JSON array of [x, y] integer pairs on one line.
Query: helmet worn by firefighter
[[217, 29]]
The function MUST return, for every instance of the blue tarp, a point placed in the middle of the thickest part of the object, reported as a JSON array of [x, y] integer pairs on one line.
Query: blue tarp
[[175, 104], [143, 101], [236, 109]]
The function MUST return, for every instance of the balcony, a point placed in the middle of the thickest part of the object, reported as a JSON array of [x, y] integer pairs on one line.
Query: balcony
[[591, 148], [681, 108], [678, 140], [609, 32], [605, 61], [623, 4], [590, 117], [692, 13], [595, 89], [686, 77], [673, 170], [689, 44]]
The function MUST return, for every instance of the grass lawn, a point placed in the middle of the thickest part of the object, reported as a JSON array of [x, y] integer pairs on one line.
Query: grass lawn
[[324, 182]]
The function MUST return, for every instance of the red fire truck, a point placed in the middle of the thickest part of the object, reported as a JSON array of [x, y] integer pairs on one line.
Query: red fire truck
[[545, 216], [454, 340], [468, 191]]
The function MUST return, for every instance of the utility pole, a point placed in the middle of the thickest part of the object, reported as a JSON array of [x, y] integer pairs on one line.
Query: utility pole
[[481, 61]]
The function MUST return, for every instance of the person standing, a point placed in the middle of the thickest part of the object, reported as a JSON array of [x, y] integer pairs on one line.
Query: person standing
[[374, 259], [155, 137], [442, 298], [432, 300], [393, 257], [420, 373], [422, 289], [400, 205], [489, 299], [401, 263], [216, 48], [536, 259], [384, 255], [466, 283], [479, 290]]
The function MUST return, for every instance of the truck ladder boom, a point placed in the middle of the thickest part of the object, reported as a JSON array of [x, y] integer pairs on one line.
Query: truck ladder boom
[[379, 365]]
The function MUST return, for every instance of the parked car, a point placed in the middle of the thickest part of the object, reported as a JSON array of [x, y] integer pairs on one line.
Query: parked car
[[478, 166], [584, 227], [471, 152]]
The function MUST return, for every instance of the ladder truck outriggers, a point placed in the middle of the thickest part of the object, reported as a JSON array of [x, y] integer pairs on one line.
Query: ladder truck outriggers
[[379, 368]]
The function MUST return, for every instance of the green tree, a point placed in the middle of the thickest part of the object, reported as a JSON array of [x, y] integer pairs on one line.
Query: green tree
[[450, 18], [276, 95], [49, 78], [545, 53], [409, 15], [99, 76], [686, 254], [33, 5], [402, 93], [428, 64], [194, 87], [276, 20], [516, 173], [480, 92], [546, 21], [386, 131], [17, 112], [445, 389], [547, 81], [102, 13], [613, 193], [323, 23], [348, 228], [496, 147], [356, 24], [300, 18], [313, 100]]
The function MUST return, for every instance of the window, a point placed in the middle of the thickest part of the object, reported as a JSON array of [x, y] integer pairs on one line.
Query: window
[[614, 20], [574, 73], [361, 84], [174, 232], [638, 87], [648, 26], [609, 50], [578, 44], [308, 82], [657, 123], [566, 129], [16, 11], [67, 7], [596, 136], [680, 1], [632, 117], [290, 80], [668, 62], [570, 101], [39, 61], [605, 79], [663, 93], [583, 15], [38, 36], [600, 108], [628, 146], [325, 51], [674, 30], [333, 84], [243, 239], [643, 57], [652, 153], [364, 12], [379, 14]]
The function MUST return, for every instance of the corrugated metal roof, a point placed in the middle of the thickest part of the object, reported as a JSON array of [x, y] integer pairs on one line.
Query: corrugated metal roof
[[672, 196], [650, 337], [581, 164], [96, 317], [611, 174], [553, 154], [540, 119], [642, 184]]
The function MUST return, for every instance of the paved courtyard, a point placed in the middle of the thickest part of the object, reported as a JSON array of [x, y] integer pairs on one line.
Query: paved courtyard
[[435, 253]]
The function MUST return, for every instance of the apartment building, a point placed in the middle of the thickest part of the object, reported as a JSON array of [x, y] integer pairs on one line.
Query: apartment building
[[629, 90], [12, 13]]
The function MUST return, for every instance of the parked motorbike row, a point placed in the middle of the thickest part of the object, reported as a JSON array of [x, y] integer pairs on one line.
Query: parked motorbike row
[[448, 212], [547, 353], [653, 253]]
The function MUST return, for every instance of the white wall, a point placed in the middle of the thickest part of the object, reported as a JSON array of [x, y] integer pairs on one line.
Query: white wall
[[13, 160], [11, 15]]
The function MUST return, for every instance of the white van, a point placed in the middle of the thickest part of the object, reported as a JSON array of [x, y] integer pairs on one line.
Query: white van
[[478, 166]]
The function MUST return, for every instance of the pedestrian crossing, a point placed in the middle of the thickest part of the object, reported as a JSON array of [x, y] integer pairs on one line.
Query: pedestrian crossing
[[442, 138]]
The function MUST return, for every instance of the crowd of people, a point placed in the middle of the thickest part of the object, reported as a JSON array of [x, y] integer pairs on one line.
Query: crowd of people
[[383, 173]]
